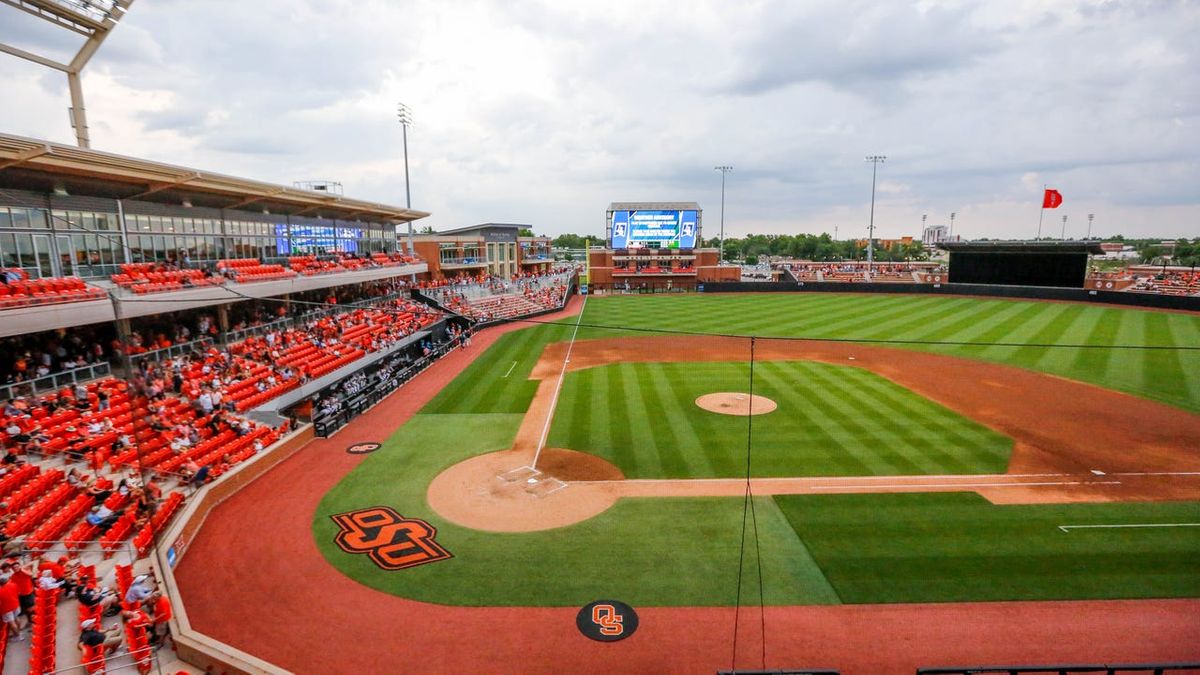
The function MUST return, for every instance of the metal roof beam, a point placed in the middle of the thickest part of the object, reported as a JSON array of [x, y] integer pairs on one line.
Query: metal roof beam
[[25, 156], [166, 186], [30, 56], [255, 198]]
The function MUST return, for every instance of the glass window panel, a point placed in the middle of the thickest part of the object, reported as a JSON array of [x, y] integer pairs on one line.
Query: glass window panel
[[88, 220], [24, 250], [5, 218], [20, 217], [8, 250]]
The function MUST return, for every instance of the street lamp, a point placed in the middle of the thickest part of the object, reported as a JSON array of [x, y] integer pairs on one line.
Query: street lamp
[[1091, 217], [875, 160], [724, 170], [404, 114]]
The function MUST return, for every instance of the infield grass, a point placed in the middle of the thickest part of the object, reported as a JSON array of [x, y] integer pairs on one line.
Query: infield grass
[[831, 421]]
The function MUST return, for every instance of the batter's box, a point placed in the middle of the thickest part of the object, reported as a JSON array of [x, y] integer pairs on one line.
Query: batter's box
[[520, 474], [544, 487]]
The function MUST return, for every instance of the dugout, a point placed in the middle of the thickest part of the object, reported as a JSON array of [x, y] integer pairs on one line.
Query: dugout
[[1057, 264]]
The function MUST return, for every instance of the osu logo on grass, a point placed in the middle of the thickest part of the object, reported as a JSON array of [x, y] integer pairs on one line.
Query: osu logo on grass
[[389, 539], [607, 620]]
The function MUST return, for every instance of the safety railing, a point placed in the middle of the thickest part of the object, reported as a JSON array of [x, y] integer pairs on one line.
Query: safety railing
[[166, 353], [55, 381]]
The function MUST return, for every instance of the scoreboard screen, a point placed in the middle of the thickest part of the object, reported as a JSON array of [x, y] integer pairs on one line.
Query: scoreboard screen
[[654, 229]]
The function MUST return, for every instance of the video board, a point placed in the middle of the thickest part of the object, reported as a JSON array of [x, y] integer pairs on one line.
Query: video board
[[654, 229]]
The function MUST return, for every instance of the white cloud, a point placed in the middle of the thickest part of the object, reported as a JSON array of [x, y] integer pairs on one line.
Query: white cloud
[[543, 112]]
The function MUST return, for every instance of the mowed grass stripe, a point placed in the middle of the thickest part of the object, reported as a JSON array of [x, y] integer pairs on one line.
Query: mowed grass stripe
[[674, 437], [955, 442], [820, 446], [922, 314], [712, 458], [849, 396], [838, 419]]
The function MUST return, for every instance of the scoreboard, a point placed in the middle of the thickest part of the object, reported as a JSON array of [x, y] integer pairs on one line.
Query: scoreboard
[[654, 228]]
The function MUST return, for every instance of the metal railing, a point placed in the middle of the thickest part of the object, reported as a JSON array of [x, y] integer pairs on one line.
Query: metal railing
[[55, 381], [171, 352], [292, 321]]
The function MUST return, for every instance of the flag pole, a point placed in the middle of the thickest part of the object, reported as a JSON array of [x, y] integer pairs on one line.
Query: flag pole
[[1042, 212]]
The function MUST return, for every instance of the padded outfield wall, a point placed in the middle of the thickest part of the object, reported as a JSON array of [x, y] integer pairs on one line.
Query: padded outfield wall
[[986, 290]]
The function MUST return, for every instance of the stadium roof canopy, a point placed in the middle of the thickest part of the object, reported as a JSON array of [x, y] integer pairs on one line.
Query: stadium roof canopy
[[1022, 246], [42, 166]]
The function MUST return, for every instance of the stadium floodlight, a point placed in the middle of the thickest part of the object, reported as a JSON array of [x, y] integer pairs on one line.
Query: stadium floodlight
[[875, 161], [1091, 217], [404, 115], [724, 169], [950, 234], [1063, 234], [94, 20]]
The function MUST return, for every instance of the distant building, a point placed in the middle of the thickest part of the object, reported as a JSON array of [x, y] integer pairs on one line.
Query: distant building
[[934, 234]]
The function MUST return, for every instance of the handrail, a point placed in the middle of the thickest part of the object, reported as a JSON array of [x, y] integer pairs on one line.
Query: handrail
[[55, 381], [171, 352]]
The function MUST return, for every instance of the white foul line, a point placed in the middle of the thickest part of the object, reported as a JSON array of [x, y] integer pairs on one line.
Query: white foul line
[[510, 369], [1157, 473], [962, 485], [561, 375], [1066, 528]]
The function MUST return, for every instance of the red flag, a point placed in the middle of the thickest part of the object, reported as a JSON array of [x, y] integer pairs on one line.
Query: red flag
[[1051, 200]]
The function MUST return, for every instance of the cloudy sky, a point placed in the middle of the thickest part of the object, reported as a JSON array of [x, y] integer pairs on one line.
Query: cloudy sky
[[544, 112]]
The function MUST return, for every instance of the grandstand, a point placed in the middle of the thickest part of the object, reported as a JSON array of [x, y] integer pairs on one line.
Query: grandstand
[[164, 326]]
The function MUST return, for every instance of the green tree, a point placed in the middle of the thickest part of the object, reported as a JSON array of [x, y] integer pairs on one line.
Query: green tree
[[525, 232]]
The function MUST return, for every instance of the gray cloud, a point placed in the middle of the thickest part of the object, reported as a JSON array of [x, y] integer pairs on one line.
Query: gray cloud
[[541, 111]]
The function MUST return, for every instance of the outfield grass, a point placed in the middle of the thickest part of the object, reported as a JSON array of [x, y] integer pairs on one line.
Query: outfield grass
[[831, 421], [957, 546], [1167, 376]]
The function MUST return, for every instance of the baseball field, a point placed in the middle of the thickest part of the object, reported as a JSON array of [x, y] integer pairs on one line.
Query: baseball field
[[935, 480], [666, 524]]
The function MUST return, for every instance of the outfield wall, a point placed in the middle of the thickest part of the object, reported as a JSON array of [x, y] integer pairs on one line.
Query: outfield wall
[[1015, 292]]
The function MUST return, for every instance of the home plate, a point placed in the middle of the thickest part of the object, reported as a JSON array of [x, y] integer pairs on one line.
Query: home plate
[[544, 487]]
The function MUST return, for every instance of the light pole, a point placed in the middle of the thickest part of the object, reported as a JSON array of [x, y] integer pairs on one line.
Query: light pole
[[724, 170], [951, 233], [1063, 234], [875, 160], [404, 114], [1091, 217]]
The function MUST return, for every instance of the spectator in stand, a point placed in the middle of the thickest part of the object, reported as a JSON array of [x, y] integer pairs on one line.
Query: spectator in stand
[[160, 614], [10, 606], [139, 591], [94, 635], [22, 578]]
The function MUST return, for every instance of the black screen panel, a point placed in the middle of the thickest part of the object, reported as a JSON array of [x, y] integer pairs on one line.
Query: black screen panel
[[1062, 270]]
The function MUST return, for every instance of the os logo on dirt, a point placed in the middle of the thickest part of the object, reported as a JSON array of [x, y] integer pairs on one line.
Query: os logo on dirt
[[607, 620], [389, 539], [362, 448]]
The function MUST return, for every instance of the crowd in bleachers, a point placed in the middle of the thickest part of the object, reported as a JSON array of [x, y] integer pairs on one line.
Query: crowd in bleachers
[[487, 298], [1165, 283], [857, 271], [28, 358]]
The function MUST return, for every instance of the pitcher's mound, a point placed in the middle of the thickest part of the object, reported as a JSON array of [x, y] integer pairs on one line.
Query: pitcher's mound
[[733, 403]]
